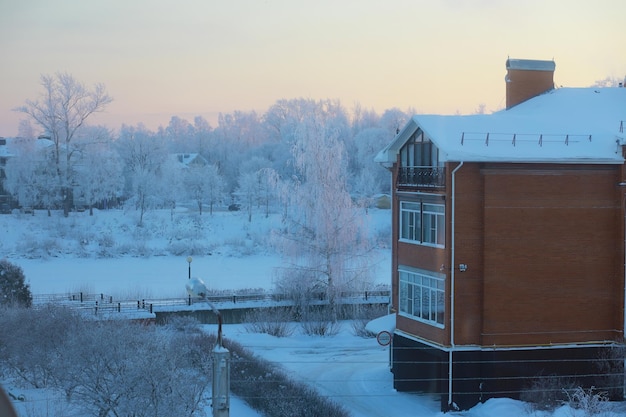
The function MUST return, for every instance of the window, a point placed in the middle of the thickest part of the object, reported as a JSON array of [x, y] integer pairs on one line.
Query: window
[[419, 151], [422, 295], [422, 223]]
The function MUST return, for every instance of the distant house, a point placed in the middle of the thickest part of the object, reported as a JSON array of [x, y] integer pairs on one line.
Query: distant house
[[508, 243], [190, 159]]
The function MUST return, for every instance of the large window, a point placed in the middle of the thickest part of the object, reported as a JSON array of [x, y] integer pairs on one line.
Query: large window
[[423, 223], [419, 152], [422, 295]]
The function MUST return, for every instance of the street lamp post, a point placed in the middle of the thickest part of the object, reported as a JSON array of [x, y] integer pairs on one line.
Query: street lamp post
[[189, 259], [221, 356]]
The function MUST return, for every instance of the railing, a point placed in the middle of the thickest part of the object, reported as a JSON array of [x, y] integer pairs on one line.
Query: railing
[[428, 177], [101, 304], [516, 139]]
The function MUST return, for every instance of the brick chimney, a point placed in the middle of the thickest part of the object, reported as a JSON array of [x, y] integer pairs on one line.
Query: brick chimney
[[527, 78]]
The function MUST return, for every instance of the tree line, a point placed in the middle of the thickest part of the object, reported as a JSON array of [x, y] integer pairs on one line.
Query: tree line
[[59, 161]]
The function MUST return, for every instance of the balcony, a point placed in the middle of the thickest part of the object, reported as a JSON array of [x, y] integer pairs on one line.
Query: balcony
[[421, 177]]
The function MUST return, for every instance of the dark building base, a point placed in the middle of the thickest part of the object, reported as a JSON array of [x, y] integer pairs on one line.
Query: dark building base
[[480, 374]]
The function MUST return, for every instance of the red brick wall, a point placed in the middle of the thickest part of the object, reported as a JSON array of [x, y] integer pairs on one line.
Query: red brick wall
[[545, 254], [551, 256], [522, 85]]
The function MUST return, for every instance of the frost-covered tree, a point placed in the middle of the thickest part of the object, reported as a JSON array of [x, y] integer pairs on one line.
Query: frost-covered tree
[[325, 238], [202, 136], [143, 154], [264, 190], [32, 342], [248, 190], [31, 177], [169, 187], [370, 178], [138, 371], [610, 81], [231, 140], [393, 120], [268, 182], [203, 183], [363, 119], [107, 368], [283, 119], [100, 175], [21, 180], [61, 112]]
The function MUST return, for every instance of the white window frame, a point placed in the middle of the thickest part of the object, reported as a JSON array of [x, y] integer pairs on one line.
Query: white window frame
[[422, 295], [422, 223]]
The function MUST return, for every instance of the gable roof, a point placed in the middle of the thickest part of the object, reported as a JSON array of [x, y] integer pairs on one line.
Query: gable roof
[[188, 159], [567, 125]]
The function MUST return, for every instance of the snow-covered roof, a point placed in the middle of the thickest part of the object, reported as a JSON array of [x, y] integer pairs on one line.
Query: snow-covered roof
[[567, 125], [11, 146], [530, 64], [189, 158]]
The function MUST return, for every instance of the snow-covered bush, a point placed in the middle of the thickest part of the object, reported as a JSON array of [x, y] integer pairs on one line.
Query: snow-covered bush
[[590, 401], [32, 247], [106, 245], [32, 342], [273, 321], [107, 367], [319, 322]]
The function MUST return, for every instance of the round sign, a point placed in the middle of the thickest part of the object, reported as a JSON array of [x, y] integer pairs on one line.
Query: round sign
[[383, 338]]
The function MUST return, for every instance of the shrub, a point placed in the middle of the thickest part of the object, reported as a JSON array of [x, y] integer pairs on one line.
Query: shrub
[[591, 401], [273, 321], [13, 289], [359, 329], [319, 323], [363, 315], [547, 392]]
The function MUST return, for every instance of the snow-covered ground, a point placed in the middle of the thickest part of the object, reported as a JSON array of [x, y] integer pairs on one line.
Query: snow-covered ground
[[60, 255]]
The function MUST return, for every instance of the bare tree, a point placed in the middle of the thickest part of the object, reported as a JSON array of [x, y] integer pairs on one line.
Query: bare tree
[[61, 111]]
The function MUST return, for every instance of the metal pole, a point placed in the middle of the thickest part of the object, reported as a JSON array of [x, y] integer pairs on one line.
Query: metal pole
[[221, 382], [221, 374], [189, 259]]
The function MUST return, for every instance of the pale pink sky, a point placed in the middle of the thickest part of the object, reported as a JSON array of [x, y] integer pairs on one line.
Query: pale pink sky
[[161, 58]]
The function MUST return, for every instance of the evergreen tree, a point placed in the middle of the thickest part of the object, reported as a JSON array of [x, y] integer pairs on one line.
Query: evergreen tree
[[13, 289]]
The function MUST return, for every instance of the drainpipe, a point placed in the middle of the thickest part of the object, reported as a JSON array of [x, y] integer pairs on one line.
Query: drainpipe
[[452, 276]]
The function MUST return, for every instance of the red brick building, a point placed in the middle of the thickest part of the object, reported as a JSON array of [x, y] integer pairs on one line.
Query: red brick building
[[508, 242]]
